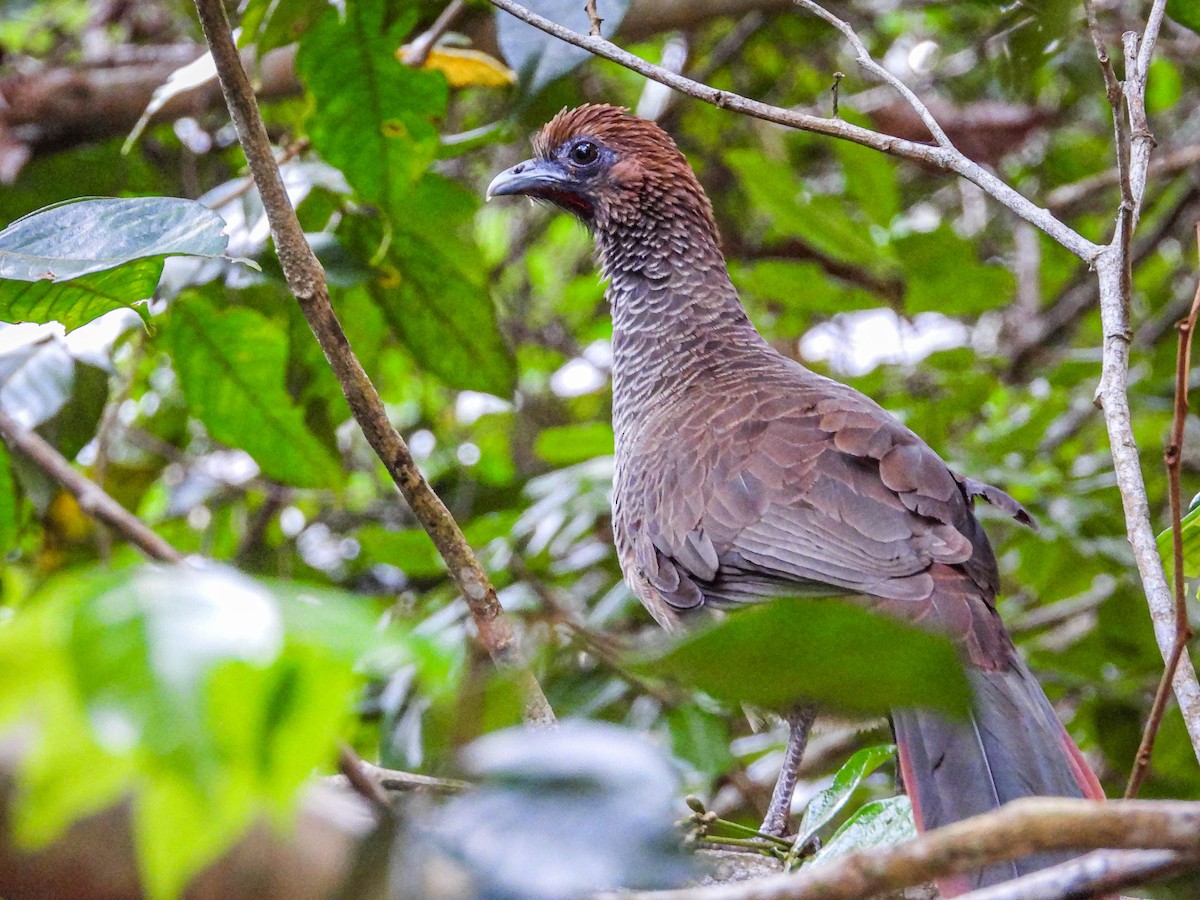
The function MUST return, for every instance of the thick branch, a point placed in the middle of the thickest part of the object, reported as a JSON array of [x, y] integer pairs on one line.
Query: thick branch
[[940, 157], [306, 279], [1018, 829], [90, 496]]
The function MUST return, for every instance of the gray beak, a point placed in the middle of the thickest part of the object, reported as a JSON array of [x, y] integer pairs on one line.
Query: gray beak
[[534, 177]]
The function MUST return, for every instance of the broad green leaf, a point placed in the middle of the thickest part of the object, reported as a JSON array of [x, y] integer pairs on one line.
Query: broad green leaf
[[411, 550], [827, 651], [539, 58], [373, 114], [232, 365], [8, 502], [700, 738], [79, 300], [570, 444], [268, 24], [881, 823], [209, 697], [945, 275], [1190, 530], [870, 180], [85, 236], [828, 803], [432, 293], [1186, 13]]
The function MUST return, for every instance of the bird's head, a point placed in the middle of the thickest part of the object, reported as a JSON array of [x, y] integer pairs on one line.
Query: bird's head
[[609, 168]]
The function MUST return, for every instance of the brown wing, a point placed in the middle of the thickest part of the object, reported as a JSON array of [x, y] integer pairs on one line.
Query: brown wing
[[806, 488]]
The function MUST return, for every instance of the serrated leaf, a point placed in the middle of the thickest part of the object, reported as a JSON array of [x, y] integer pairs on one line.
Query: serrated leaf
[[84, 236], [432, 293], [828, 803], [373, 114], [232, 366], [540, 58], [570, 444], [881, 823], [79, 300], [825, 651]]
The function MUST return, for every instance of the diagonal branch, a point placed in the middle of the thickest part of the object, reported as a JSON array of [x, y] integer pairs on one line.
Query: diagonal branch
[[1026, 826], [867, 62], [92, 498], [306, 279], [942, 157]]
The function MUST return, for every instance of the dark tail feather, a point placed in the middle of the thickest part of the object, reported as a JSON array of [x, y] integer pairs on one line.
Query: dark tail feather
[[1012, 746]]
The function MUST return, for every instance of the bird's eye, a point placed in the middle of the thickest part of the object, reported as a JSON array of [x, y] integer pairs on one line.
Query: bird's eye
[[584, 153]]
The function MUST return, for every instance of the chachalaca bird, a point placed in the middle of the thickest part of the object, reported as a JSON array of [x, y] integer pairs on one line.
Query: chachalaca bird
[[741, 475]]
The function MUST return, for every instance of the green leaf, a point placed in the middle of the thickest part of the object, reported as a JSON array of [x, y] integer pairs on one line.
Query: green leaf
[[433, 295], [539, 58], [8, 502], [1190, 531], [268, 24], [700, 738], [85, 236], [945, 275], [209, 697], [1186, 13], [373, 114], [825, 651], [232, 365], [828, 803], [77, 301], [570, 444], [870, 181], [411, 551], [881, 823]]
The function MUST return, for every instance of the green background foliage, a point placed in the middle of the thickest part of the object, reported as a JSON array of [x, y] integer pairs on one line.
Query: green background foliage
[[212, 415]]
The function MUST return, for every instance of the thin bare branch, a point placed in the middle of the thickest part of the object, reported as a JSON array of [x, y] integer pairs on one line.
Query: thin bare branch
[[306, 279], [939, 156], [1173, 458], [91, 498], [418, 51], [1022, 827], [594, 20], [865, 60], [1093, 875]]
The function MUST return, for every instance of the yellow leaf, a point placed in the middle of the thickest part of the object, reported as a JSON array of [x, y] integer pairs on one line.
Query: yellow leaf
[[466, 68]]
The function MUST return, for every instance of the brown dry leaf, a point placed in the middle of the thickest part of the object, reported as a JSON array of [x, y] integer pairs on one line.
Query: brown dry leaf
[[466, 68]]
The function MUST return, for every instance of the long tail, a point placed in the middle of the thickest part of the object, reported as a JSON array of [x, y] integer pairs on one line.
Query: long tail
[[1012, 746]]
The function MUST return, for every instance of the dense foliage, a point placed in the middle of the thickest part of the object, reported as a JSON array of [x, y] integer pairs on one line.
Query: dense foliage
[[191, 389]]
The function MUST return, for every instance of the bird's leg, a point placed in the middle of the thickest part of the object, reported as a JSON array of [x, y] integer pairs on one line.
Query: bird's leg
[[779, 812]]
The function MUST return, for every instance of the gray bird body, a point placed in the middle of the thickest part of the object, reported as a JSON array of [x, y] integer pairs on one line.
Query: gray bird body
[[741, 475]]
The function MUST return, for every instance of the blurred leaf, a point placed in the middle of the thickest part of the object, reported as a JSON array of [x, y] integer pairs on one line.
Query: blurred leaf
[[1190, 531], [410, 551], [944, 275], [870, 180], [191, 685], [570, 444], [8, 502], [828, 803], [84, 236], [826, 651], [602, 796], [1186, 13], [36, 380], [268, 24], [433, 294], [700, 738], [186, 78], [231, 366], [466, 68], [372, 116], [881, 823], [540, 58], [79, 300]]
